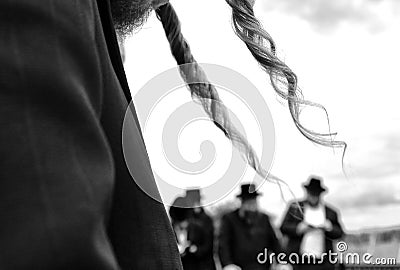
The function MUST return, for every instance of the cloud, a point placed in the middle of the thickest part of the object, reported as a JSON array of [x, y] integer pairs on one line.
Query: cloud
[[374, 176], [372, 196], [326, 15], [382, 162], [373, 157]]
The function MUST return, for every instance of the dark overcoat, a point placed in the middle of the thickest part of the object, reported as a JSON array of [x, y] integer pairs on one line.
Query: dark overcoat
[[200, 234], [240, 243], [67, 199], [294, 216]]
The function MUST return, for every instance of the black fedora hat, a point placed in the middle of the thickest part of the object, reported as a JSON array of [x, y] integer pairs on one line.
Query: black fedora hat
[[193, 196], [193, 193], [248, 191], [314, 185]]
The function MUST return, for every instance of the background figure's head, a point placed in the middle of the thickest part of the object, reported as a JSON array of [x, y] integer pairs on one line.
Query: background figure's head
[[314, 190], [249, 204], [248, 198], [179, 215], [179, 211]]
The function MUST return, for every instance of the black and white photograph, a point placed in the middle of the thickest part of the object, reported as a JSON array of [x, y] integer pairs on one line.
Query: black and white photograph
[[199, 135]]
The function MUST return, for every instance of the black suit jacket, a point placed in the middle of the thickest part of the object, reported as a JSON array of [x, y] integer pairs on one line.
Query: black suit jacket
[[294, 216], [240, 243], [200, 234], [67, 199]]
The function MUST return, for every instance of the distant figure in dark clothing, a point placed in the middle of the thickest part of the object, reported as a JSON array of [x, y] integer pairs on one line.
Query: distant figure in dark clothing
[[204, 257], [245, 233], [193, 198], [194, 232], [311, 229]]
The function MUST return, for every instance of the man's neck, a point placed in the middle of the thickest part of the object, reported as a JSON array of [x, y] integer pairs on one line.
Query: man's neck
[[314, 206]]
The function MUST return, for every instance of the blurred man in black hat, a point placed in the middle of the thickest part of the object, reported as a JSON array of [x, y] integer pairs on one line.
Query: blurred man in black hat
[[245, 233], [311, 226], [194, 232], [179, 213], [204, 238]]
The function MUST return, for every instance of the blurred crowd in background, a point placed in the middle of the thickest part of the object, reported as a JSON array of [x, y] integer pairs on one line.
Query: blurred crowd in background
[[244, 238]]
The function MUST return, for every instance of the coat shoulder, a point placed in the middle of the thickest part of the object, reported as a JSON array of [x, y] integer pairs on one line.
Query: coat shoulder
[[230, 215], [295, 205], [331, 210]]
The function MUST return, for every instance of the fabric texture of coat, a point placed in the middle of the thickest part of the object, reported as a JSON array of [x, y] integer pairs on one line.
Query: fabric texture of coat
[[67, 199]]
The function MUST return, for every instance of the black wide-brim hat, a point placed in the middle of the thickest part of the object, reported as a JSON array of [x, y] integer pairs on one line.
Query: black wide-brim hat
[[193, 193], [248, 191], [314, 185]]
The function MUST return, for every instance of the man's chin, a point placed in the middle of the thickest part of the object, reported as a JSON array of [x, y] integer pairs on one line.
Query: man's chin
[[129, 15]]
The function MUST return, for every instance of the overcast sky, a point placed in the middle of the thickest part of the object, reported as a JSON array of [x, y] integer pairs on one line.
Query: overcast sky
[[346, 56]]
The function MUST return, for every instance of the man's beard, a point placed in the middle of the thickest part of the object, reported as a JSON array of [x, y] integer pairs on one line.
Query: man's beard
[[250, 217], [129, 14]]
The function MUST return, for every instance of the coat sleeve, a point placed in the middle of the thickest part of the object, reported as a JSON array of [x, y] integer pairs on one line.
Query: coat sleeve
[[291, 220], [337, 231], [224, 242]]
